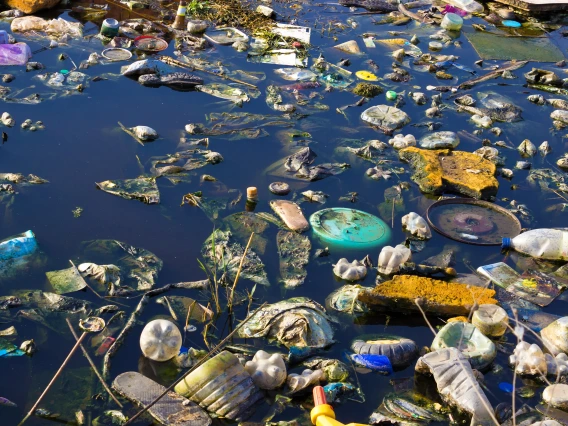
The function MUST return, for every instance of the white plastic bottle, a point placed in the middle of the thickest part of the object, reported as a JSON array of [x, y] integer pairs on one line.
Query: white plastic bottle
[[550, 244], [470, 6]]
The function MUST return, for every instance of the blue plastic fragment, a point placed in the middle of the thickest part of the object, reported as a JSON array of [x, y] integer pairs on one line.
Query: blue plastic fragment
[[297, 354], [511, 24], [506, 387], [18, 246], [378, 363], [335, 390]]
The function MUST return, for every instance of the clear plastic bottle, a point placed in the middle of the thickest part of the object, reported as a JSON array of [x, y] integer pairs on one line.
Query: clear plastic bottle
[[550, 244], [470, 6]]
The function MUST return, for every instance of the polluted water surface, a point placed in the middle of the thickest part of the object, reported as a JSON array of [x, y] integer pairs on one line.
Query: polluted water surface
[[240, 201]]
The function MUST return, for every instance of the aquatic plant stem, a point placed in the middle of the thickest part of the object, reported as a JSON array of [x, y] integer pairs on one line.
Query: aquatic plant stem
[[196, 365], [79, 341], [93, 366], [239, 271]]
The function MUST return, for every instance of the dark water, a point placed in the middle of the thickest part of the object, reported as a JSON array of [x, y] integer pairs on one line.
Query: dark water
[[82, 144]]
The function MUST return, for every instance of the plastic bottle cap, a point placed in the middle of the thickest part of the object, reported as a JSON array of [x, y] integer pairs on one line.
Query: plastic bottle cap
[[252, 192], [506, 243], [435, 46], [64, 72], [391, 95]]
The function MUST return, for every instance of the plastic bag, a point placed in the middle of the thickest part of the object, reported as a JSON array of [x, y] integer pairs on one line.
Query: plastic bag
[[28, 23], [60, 26], [14, 54]]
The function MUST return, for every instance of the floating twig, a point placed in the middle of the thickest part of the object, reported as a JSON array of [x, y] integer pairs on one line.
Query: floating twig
[[93, 366]]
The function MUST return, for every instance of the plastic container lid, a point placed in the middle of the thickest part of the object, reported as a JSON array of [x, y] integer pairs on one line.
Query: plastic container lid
[[511, 24], [366, 75], [117, 54], [435, 46], [150, 43], [111, 23], [349, 228]]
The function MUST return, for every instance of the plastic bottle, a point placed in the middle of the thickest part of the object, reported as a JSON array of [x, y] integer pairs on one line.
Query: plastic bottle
[[160, 340], [550, 244], [179, 23], [470, 6], [452, 22]]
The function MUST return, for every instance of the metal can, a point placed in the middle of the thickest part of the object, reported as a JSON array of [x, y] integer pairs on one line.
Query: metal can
[[109, 28]]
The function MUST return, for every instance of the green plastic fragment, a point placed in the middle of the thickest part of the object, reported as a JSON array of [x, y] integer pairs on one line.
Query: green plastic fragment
[[391, 95]]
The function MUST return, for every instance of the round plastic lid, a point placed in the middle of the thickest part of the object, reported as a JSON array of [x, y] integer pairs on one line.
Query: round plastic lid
[[349, 228], [117, 54], [150, 43], [512, 24], [366, 75]]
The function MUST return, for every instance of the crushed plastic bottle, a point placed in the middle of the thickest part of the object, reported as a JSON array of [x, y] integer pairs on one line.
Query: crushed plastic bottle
[[549, 244], [470, 6]]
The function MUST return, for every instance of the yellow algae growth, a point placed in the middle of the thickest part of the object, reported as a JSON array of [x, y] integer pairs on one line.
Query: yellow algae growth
[[440, 170], [433, 295]]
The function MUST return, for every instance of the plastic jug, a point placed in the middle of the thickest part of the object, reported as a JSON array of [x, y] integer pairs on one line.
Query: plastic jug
[[550, 244], [470, 6]]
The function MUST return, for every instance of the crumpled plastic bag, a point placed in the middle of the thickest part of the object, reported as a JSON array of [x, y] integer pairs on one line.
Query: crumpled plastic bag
[[137, 267], [28, 23], [14, 54], [298, 321], [54, 27]]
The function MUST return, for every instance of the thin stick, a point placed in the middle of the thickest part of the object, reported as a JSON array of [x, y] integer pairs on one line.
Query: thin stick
[[171, 61], [198, 364], [93, 366], [425, 318], [239, 270], [54, 378]]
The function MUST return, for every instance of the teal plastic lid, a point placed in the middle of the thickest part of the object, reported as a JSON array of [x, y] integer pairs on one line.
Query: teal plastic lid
[[349, 228]]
